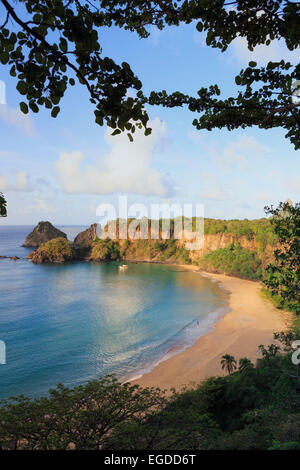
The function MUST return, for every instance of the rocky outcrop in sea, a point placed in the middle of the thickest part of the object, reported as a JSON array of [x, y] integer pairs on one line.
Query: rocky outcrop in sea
[[43, 232], [57, 250]]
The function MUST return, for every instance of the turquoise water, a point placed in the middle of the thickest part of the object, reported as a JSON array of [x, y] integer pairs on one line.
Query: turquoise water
[[74, 322]]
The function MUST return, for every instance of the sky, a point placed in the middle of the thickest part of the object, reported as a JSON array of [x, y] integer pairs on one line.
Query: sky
[[62, 169]]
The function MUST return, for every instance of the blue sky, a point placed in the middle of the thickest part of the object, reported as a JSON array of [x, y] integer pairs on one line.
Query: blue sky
[[62, 169]]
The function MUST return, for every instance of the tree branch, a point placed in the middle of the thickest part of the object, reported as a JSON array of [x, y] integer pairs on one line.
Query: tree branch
[[281, 109], [5, 23], [48, 46]]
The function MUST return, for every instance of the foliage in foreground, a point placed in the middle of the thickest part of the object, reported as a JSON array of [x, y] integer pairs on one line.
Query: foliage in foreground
[[283, 276], [3, 204], [50, 45], [252, 408]]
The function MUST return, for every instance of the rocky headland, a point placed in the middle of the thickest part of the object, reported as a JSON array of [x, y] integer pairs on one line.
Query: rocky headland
[[224, 252], [43, 232], [58, 250]]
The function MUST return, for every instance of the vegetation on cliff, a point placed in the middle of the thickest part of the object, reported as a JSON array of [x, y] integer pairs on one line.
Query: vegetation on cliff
[[162, 251], [260, 229], [57, 250], [104, 250], [249, 250], [235, 261], [256, 237], [282, 275]]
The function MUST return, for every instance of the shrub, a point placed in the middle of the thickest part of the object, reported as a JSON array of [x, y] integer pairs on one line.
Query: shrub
[[57, 250], [234, 260], [105, 250]]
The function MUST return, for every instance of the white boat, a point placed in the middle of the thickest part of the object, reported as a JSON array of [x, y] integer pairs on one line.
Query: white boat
[[123, 267]]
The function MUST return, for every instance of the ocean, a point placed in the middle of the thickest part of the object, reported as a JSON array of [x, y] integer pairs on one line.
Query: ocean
[[79, 321]]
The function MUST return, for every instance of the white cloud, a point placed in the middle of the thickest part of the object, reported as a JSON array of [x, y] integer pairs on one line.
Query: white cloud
[[214, 193], [39, 207], [43, 206], [262, 54], [125, 169], [19, 182], [293, 184], [264, 196], [213, 190], [230, 161], [240, 152], [199, 38], [195, 136], [16, 118], [155, 35]]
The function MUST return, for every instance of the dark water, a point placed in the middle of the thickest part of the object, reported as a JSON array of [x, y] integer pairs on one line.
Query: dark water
[[74, 322]]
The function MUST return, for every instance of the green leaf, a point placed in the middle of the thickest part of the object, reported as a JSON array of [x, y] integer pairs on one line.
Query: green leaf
[[33, 106], [55, 99], [24, 107], [22, 87], [55, 111], [130, 137], [4, 58], [48, 103], [116, 132], [37, 18], [199, 26], [63, 45], [148, 131], [99, 118], [252, 64]]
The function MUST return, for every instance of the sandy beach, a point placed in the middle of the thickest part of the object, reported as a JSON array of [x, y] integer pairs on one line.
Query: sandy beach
[[250, 322]]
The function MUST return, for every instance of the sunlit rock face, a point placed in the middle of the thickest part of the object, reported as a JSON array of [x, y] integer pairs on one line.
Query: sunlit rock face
[[42, 233], [88, 235]]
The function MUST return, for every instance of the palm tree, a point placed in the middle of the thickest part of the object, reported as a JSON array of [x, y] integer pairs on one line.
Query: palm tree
[[229, 363], [244, 364]]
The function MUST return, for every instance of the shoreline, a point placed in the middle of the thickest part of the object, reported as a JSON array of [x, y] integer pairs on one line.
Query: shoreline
[[251, 321]]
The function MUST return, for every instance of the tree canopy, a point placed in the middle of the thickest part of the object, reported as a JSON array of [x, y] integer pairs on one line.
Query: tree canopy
[[283, 276], [51, 44], [251, 408]]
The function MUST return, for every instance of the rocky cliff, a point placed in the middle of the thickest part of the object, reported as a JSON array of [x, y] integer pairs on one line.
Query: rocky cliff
[[88, 246], [136, 249], [42, 233], [87, 236]]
